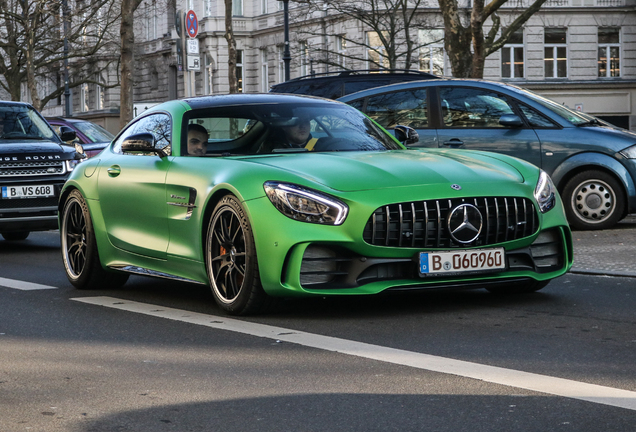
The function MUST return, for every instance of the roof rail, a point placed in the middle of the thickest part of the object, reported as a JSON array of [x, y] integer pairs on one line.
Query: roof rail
[[348, 72]]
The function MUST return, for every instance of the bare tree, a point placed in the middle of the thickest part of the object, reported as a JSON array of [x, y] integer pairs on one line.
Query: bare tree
[[390, 24], [231, 48], [32, 40], [464, 29], [127, 32]]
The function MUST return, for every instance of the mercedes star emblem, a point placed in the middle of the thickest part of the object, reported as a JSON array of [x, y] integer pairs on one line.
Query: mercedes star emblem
[[456, 187], [465, 223]]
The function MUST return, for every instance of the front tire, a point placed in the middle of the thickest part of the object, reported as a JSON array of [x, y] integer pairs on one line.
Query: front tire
[[15, 235], [79, 248], [230, 260], [593, 200]]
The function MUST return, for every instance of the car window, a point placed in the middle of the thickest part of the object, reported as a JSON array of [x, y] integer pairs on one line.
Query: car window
[[21, 122], [94, 132], [359, 85], [272, 128], [158, 125], [408, 108], [472, 108], [534, 118]]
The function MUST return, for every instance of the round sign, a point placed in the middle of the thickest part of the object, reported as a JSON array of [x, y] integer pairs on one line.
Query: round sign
[[192, 24]]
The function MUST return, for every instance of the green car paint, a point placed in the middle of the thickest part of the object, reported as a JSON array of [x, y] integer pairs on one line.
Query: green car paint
[[150, 213]]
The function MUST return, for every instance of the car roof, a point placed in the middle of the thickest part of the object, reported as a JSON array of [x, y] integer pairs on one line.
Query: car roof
[[251, 99], [416, 84]]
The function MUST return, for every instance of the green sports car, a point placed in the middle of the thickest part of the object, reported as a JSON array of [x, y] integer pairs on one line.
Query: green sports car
[[265, 196]]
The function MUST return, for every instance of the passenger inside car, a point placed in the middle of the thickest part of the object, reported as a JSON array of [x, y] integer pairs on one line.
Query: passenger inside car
[[197, 140]]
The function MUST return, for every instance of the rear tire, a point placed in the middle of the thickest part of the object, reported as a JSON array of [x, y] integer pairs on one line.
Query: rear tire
[[79, 248], [520, 288], [230, 260], [593, 200], [16, 235]]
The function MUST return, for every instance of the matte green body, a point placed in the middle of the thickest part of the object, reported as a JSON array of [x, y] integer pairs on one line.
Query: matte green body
[[135, 226]]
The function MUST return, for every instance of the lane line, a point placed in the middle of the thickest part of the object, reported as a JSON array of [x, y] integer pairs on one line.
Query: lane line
[[24, 286], [497, 375]]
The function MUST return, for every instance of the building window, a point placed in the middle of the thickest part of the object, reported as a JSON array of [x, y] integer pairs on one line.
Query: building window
[[555, 49], [237, 7], [207, 8], [341, 49], [84, 94], [609, 52], [239, 70], [263, 6], [281, 63], [512, 56], [376, 55], [264, 71], [281, 5], [304, 56], [432, 54], [209, 74]]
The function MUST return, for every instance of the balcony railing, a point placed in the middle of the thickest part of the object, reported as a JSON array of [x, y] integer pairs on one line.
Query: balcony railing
[[600, 3]]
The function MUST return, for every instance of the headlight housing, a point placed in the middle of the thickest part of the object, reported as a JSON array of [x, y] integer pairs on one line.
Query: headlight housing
[[545, 192], [71, 164], [306, 205], [629, 152]]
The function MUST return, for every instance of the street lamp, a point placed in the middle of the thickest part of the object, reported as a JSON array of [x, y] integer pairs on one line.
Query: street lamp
[[286, 53]]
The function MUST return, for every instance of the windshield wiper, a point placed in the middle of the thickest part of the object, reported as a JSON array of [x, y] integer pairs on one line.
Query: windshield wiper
[[591, 122]]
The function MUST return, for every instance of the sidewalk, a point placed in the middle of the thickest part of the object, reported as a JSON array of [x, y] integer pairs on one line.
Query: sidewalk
[[610, 252]]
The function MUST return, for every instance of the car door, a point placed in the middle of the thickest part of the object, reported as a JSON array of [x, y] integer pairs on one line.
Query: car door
[[132, 191], [408, 107], [470, 120]]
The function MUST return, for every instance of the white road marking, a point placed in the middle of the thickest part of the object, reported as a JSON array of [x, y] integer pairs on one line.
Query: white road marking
[[497, 375], [24, 286]]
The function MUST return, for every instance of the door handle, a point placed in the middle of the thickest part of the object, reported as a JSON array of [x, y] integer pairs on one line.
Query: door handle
[[453, 143], [114, 171]]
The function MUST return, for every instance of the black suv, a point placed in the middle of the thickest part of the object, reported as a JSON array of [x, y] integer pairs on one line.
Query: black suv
[[332, 85], [34, 164]]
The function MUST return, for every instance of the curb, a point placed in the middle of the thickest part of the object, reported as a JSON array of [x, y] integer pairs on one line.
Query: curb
[[594, 272]]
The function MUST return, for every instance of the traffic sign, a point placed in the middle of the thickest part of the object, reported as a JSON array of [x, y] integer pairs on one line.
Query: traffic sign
[[194, 63], [192, 24], [192, 46]]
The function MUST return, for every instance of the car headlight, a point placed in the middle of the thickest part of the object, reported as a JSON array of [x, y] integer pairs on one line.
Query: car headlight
[[306, 205], [629, 152], [545, 192], [71, 164]]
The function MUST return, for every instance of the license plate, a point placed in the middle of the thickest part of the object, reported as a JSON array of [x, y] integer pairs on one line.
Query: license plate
[[40, 191], [460, 261]]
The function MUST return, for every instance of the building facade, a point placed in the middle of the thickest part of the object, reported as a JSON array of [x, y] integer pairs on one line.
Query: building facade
[[581, 53]]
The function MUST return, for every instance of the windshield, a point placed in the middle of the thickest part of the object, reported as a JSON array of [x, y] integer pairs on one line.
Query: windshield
[[20, 122], [94, 132], [574, 117], [282, 128]]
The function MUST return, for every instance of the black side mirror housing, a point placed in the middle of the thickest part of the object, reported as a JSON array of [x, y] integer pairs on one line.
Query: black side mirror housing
[[67, 134], [406, 135], [511, 120], [141, 143]]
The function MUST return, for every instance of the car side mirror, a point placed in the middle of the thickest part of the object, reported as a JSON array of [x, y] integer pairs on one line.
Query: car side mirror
[[406, 135], [141, 143], [511, 120], [67, 134]]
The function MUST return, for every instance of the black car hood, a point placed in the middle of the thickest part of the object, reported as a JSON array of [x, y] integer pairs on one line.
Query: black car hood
[[18, 150]]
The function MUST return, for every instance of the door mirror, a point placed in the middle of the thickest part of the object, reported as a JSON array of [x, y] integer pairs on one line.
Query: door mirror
[[141, 143], [406, 135], [67, 134], [511, 120]]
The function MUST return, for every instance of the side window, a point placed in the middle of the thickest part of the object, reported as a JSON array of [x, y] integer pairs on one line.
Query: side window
[[472, 108], [535, 119], [408, 108], [357, 104], [158, 125]]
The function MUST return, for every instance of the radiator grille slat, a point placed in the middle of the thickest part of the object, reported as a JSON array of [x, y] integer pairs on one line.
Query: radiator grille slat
[[504, 219]]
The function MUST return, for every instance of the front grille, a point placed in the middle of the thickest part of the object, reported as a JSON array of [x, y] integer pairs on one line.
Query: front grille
[[8, 204], [20, 169], [424, 224]]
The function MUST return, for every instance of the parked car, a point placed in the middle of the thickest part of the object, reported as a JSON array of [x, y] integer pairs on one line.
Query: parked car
[[592, 163], [34, 164], [271, 195], [91, 136], [333, 85]]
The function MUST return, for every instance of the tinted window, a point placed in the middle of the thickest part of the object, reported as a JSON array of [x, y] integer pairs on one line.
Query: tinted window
[[157, 124], [408, 108], [472, 108], [359, 85], [94, 132], [20, 122], [535, 119]]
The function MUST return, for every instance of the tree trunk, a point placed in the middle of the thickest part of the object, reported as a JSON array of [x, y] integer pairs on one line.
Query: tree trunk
[[231, 48], [127, 34]]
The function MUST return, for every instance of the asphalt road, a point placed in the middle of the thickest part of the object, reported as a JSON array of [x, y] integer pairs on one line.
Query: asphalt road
[[160, 356]]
